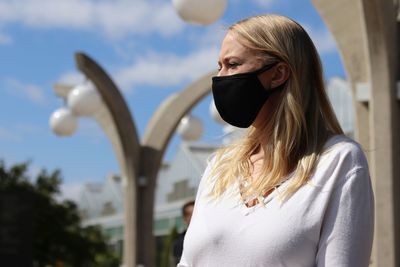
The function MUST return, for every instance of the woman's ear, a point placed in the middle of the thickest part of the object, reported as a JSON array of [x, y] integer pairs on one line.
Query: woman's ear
[[276, 76], [280, 74]]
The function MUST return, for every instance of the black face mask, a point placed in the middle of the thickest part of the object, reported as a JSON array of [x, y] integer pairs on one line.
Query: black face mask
[[239, 97]]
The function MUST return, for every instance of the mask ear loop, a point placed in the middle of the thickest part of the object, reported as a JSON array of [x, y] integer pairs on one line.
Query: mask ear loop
[[264, 68]]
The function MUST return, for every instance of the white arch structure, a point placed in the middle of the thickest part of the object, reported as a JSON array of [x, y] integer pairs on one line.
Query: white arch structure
[[140, 160]]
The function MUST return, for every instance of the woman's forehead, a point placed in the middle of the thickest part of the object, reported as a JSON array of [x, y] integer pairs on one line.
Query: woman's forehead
[[232, 47]]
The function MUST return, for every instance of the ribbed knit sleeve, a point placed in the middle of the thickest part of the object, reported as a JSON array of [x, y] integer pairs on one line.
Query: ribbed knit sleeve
[[347, 228]]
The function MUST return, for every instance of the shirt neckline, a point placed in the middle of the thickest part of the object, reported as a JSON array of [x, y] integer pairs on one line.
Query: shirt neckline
[[248, 210]]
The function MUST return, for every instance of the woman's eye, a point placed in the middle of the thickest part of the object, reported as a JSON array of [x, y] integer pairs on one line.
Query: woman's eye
[[233, 64]]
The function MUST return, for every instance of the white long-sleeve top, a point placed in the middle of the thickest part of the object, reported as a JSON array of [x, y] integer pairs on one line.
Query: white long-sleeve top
[[327, 222]]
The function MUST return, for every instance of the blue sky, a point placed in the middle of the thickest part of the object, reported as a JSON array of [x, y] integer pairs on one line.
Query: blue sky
[[145, 47]]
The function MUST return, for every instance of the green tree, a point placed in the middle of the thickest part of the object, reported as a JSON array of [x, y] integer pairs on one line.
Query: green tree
[[166, 254], [58, 237]]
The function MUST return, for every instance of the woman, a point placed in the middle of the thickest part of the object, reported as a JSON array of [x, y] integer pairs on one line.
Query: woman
[[295, 191]]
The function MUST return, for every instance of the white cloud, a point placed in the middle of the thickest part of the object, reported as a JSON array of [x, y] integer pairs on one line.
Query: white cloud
[[8, 135], [322, 38], [212, 36], [115, 18], [18, 132], [31, 92], [5, 39], [264, 3], [167, 69], [27, 128], [71, 78], [118, 18]]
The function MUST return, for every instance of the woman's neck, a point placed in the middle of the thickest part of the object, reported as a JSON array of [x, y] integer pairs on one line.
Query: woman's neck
[[257, 155]]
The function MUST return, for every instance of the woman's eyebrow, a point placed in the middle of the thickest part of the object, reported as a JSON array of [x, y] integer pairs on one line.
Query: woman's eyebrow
[[227, 58], [233, 57]]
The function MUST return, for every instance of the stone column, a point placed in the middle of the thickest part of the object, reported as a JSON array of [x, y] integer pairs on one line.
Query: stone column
[[155, 140], [381, 41], [366, 33]]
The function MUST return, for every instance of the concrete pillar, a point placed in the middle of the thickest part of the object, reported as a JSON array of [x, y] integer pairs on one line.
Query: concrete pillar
[[381, 39], [367, 37], [125, 141], [140, 161], [159, 131], [344, 20]]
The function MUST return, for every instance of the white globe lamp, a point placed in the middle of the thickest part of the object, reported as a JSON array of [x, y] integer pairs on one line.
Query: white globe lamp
[[63, 122], [190, 128], [201, 12], [215, 114], [84, 99]]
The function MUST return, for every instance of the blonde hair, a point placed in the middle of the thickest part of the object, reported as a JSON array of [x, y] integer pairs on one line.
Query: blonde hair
[[302, 120]]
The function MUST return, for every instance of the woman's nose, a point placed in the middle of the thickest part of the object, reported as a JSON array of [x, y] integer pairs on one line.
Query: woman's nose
[[221, 72]]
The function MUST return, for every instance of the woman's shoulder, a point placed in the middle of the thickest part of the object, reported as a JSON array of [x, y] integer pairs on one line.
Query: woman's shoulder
[[342, 148], [341, 159]]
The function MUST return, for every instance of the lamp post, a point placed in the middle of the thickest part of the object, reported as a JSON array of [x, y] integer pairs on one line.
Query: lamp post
[[139, 161]]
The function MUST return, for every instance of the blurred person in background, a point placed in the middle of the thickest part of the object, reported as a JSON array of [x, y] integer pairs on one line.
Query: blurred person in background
[[187, 210]]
